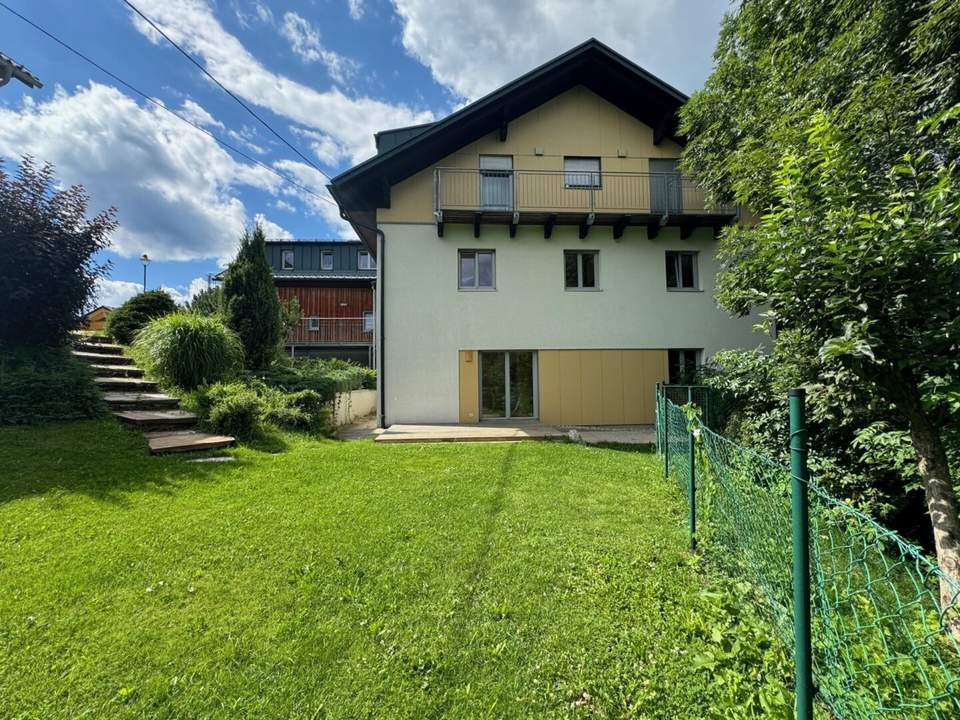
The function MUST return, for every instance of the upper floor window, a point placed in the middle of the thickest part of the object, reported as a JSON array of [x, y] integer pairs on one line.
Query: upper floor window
[[368, 321], [682, 273], [581, 172], [477, 270], [286, 260], [326, 260], [580, 269], [364, 261]]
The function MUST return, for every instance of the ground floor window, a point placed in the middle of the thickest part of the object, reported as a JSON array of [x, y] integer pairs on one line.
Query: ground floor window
[[508, 384], [683, 365]]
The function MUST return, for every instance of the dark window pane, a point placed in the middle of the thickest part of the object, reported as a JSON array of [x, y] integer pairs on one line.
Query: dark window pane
[[485, 269], [468, 269], [570, 273], [521, 384], [671, 270], [686, 269], [589, 278], [493, 389]]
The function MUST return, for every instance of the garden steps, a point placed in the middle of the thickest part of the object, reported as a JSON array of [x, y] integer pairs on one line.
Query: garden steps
[[185, 441], [140, 401], [155, 420], [99, 348], [125, 384], [100, 358], [104, 371]]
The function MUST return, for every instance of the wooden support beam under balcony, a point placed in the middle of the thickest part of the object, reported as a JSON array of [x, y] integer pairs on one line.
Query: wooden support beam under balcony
[[477, 217], [653, 229], [548, 225], [514, 221], [686, 229], [586, 225], [620, 225], [439, 217]]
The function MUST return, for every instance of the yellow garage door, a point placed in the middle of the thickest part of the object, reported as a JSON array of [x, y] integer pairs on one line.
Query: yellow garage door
[[600, 387]]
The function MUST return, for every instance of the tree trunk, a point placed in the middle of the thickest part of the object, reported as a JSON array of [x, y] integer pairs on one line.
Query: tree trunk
[[941, 504]]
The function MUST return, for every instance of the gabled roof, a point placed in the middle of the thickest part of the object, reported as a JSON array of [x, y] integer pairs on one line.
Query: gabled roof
[[591, 64]]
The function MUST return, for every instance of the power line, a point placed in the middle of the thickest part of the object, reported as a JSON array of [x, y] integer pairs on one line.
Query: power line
[[177, 115], [223, 87]]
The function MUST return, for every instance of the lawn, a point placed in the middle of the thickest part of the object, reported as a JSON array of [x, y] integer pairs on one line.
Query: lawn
[[317, 579]]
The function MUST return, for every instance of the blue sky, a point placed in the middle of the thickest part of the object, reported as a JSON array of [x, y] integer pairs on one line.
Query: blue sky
[[325, 74]]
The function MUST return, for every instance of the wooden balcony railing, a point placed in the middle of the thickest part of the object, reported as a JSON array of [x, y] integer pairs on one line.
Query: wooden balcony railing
[[332, 331]]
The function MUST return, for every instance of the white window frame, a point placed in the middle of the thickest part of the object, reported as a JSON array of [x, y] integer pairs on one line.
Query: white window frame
[[284, 264], [585, 178], [324, 254], [313, 324], [369, 322], [596, 270], [676, 255], [369, 264], [477, 287]]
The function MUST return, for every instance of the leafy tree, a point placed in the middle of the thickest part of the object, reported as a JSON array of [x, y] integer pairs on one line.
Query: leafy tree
[[838, 120], [250, 302], [207, 302], [48, 270], [126, 321]]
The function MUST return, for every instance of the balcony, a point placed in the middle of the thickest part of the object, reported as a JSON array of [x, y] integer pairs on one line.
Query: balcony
[[584, 199], [332, 331]]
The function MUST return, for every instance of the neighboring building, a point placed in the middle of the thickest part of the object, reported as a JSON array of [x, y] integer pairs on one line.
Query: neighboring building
[[540, 254], [96, 319], [332, 280]]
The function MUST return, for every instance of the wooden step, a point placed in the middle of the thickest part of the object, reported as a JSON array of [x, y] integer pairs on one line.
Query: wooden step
[[129, 371], [154, 420], [140, 401], [95, 339], [125, 383], [99, 348], [185, 441], [100, 358]]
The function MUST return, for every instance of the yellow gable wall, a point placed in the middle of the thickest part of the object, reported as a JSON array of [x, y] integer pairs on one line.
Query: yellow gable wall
[[577, 122]]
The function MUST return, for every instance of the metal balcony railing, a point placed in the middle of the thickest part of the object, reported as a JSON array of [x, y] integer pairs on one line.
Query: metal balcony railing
[[559, 191], [332, 331]]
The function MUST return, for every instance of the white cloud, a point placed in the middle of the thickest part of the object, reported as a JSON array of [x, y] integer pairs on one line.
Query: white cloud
[[305, 41], [444, 37], [114, 293], [313, 180], [271, 229], [356, 8], [284, 205], [174, 187], [197, 114], [349, 121]]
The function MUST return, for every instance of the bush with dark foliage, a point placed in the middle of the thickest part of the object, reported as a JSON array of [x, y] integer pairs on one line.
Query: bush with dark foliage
[[40, 384], [127, 320], [48, 270]]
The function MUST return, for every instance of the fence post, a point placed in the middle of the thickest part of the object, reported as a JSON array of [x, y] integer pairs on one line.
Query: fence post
[[666, 434], [803, 662], [693, 480]]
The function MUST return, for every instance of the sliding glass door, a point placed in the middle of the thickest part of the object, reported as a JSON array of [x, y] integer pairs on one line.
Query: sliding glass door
[[508, 384]]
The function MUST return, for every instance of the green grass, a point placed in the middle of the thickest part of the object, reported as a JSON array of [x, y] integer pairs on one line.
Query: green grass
[[348, 580]]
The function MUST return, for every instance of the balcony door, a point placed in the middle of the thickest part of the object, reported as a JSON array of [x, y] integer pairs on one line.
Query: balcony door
[[496, 182], [666, 194], [508, 385]]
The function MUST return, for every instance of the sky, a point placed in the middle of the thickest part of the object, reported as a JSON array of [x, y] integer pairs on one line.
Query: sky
[[324, 74]]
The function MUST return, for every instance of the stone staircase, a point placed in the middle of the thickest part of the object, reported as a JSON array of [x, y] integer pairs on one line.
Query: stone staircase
[[136, 401]]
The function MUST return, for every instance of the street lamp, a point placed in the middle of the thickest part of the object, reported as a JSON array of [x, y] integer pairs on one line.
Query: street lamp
[[146, 261]]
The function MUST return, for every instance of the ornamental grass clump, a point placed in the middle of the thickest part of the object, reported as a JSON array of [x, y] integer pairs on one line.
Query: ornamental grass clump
[[186, 350]]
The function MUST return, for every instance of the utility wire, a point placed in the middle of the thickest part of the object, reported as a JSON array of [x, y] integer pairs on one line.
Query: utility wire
[[159, 104], [206, 72]]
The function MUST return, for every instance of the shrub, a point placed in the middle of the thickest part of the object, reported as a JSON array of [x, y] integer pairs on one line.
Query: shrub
[[326, 377], [47, 263], [235, 412], [301, 410], [250, 302], [46, 384], [239, 409], [207, 302], [127, 320], [187, 350]]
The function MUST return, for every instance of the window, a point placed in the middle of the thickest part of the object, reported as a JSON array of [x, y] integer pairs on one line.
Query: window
[[326, 260], [581, 172], [286, 260], [477, 270], [580, 269], [496, 182], [682, 271], [683, 365], [364, 261], [313, 324], [368, 321]]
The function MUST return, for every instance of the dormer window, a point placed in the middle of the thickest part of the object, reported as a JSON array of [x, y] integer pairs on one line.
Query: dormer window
[[364, 261], [286, 260], [326, 260]]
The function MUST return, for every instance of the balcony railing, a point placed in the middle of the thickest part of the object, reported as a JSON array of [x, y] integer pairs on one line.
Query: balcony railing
[[332, 331], [559, 191]]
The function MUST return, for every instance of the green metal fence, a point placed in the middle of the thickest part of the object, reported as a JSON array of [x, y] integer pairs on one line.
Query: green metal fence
[[879, 636]]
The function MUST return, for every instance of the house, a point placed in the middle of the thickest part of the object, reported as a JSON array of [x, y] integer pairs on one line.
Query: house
[[332, 281], [96, 319], [540, 255]]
